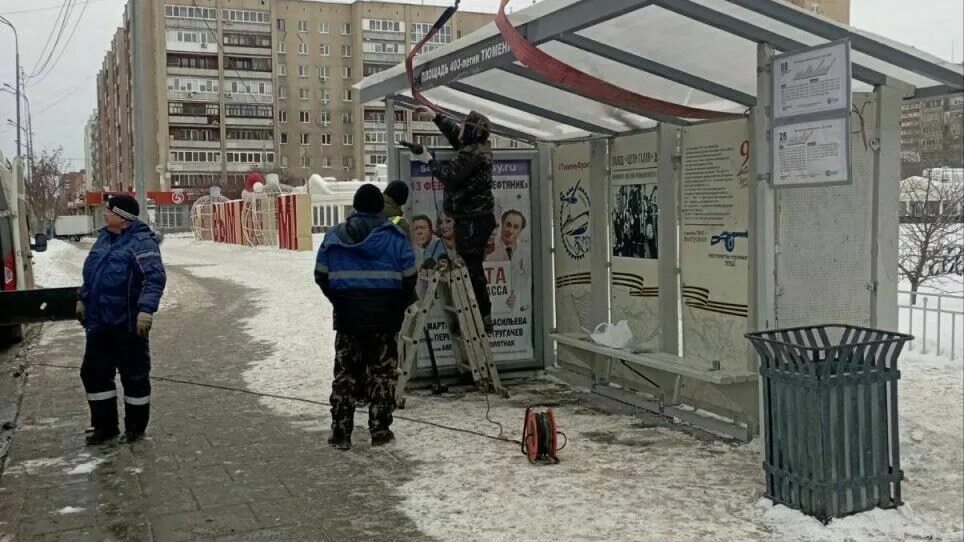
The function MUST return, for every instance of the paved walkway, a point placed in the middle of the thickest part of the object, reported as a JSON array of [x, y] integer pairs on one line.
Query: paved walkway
[[217, 464]]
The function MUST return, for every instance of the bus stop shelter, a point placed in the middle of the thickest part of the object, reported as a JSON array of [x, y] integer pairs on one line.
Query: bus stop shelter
[[677, 224]]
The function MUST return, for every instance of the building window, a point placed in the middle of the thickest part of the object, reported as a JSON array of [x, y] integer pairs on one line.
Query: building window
[[191, 36], [282, 116], [305, 139], [304, 117], [346, 29], [302, 48], [346, 51], [284, 138], [372, 69], [243, 16], [282, 92], [302, 70], [194, 134], [348, 139], [282, 48], [195, 156], [346, 72], [282, 69], [348, 162], [281, 25], [326, 161], [443, 36], [326, 118], [323, 72], [325, 96], [326, 139], [250, 157], [347, 118], [346, 95], [375, 159], [324, 49], [383, 48], [189, 12], [305, 161], [284, 162], [377, 25], [192, 62], [323, 27], [248, 111], [260, 88], [304, 93], [248, 64], [302, 26]]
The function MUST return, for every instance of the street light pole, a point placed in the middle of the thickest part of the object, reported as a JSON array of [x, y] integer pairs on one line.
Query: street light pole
[[16, 67], [29, 128]]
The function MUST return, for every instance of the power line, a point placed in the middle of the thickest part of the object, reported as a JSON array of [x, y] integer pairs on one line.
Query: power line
[[49, 8], [66, 44], [62, 17]]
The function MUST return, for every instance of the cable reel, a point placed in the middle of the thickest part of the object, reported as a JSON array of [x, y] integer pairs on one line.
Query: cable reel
[[540, 436]]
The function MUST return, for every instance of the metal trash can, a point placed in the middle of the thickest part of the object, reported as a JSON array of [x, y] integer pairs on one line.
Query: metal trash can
[[830, 418]]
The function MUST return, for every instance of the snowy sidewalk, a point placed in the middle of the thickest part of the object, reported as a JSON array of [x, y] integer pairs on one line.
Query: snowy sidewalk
[[240, 467]]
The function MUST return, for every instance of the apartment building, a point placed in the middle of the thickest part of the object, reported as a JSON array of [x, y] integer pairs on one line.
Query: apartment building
[[91, 150], [838, 10], [932, 133], [244, 85]]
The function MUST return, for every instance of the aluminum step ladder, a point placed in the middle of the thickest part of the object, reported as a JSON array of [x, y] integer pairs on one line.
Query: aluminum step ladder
[[448, 284]]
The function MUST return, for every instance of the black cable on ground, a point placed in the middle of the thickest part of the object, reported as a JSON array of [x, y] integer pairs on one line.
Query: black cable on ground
[[499, 438]]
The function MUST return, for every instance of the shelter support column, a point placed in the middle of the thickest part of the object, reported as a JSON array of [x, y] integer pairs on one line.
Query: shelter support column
[[392, 159], [599, 183], [668, 163], [543, 271], [886, 194]]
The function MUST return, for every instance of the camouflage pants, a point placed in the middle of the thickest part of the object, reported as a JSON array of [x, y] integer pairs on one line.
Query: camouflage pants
[[378, 354]]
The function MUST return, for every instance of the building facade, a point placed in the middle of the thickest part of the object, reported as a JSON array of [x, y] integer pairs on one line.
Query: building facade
[[249, 85], [91, 151], [838, 10], [932, 133]]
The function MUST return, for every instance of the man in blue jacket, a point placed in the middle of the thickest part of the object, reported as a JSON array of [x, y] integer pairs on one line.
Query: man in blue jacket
[[366, 268], [124, 280]]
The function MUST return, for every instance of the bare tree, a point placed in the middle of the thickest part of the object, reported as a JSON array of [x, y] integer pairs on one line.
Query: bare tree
[[931, 231], [44, 189]]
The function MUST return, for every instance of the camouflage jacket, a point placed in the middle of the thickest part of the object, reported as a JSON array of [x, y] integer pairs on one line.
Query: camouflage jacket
[[467, 178]]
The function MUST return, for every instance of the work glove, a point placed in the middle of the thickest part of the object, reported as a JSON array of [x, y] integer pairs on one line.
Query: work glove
[[80, 311], [424, 157], [144, 323]]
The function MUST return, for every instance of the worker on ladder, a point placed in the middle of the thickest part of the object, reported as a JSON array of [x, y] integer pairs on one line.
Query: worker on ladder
[[467, 195]]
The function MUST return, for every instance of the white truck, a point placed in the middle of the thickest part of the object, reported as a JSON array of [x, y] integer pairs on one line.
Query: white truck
[[73, 227]]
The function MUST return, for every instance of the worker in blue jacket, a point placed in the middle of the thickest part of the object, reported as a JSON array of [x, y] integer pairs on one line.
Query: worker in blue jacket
[[366, 268], [124, 280]]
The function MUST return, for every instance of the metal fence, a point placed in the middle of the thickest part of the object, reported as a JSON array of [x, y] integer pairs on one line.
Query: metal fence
[[935, 320]]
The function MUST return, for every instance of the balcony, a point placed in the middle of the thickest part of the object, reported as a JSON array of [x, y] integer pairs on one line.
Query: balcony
[[423, 126], [257, 144], [192, 96], [243, 167], [184, 144], [194, 120], [375, 147], [247, 74], [386, 58], [194, 24], [191, 47], [200, 167], [241, 28], [376, 125], [383, 36], [196, 72], [246, 98], [249, 121], [247, 51]]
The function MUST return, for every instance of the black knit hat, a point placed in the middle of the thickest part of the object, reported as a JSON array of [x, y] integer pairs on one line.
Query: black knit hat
[[124, 206], [398, 191], [368, 200]]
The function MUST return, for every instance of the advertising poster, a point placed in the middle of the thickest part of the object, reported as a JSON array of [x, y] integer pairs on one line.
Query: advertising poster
[[715, 242], [635, 237], [508, 261], [573, 237]]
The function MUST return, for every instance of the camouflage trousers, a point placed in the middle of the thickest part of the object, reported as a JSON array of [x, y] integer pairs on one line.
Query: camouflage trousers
[[378, 354]]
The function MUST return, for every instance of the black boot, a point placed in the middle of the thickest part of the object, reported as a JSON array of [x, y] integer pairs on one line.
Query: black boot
[[131, 437], [340, 440], [100, 436], [381, 438]]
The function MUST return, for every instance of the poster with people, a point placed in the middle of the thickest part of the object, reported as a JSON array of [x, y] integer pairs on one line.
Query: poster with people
[[635, 236], [508, 260]]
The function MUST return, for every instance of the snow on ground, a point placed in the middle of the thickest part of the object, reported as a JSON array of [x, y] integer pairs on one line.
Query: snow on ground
[[947, 294], [619, 479], [61, 265]]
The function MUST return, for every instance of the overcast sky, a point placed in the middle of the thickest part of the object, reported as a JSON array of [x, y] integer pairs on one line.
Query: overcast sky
[[63, 101]]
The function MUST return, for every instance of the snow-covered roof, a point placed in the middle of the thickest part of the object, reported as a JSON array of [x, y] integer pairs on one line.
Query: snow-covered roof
[[699, 53]]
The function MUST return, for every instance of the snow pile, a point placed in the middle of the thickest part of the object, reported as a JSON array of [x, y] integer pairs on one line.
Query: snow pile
[[70, 510], [875, 525], [61, 265]]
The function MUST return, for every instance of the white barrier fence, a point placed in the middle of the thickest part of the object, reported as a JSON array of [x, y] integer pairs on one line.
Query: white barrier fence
[[935, 320]]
